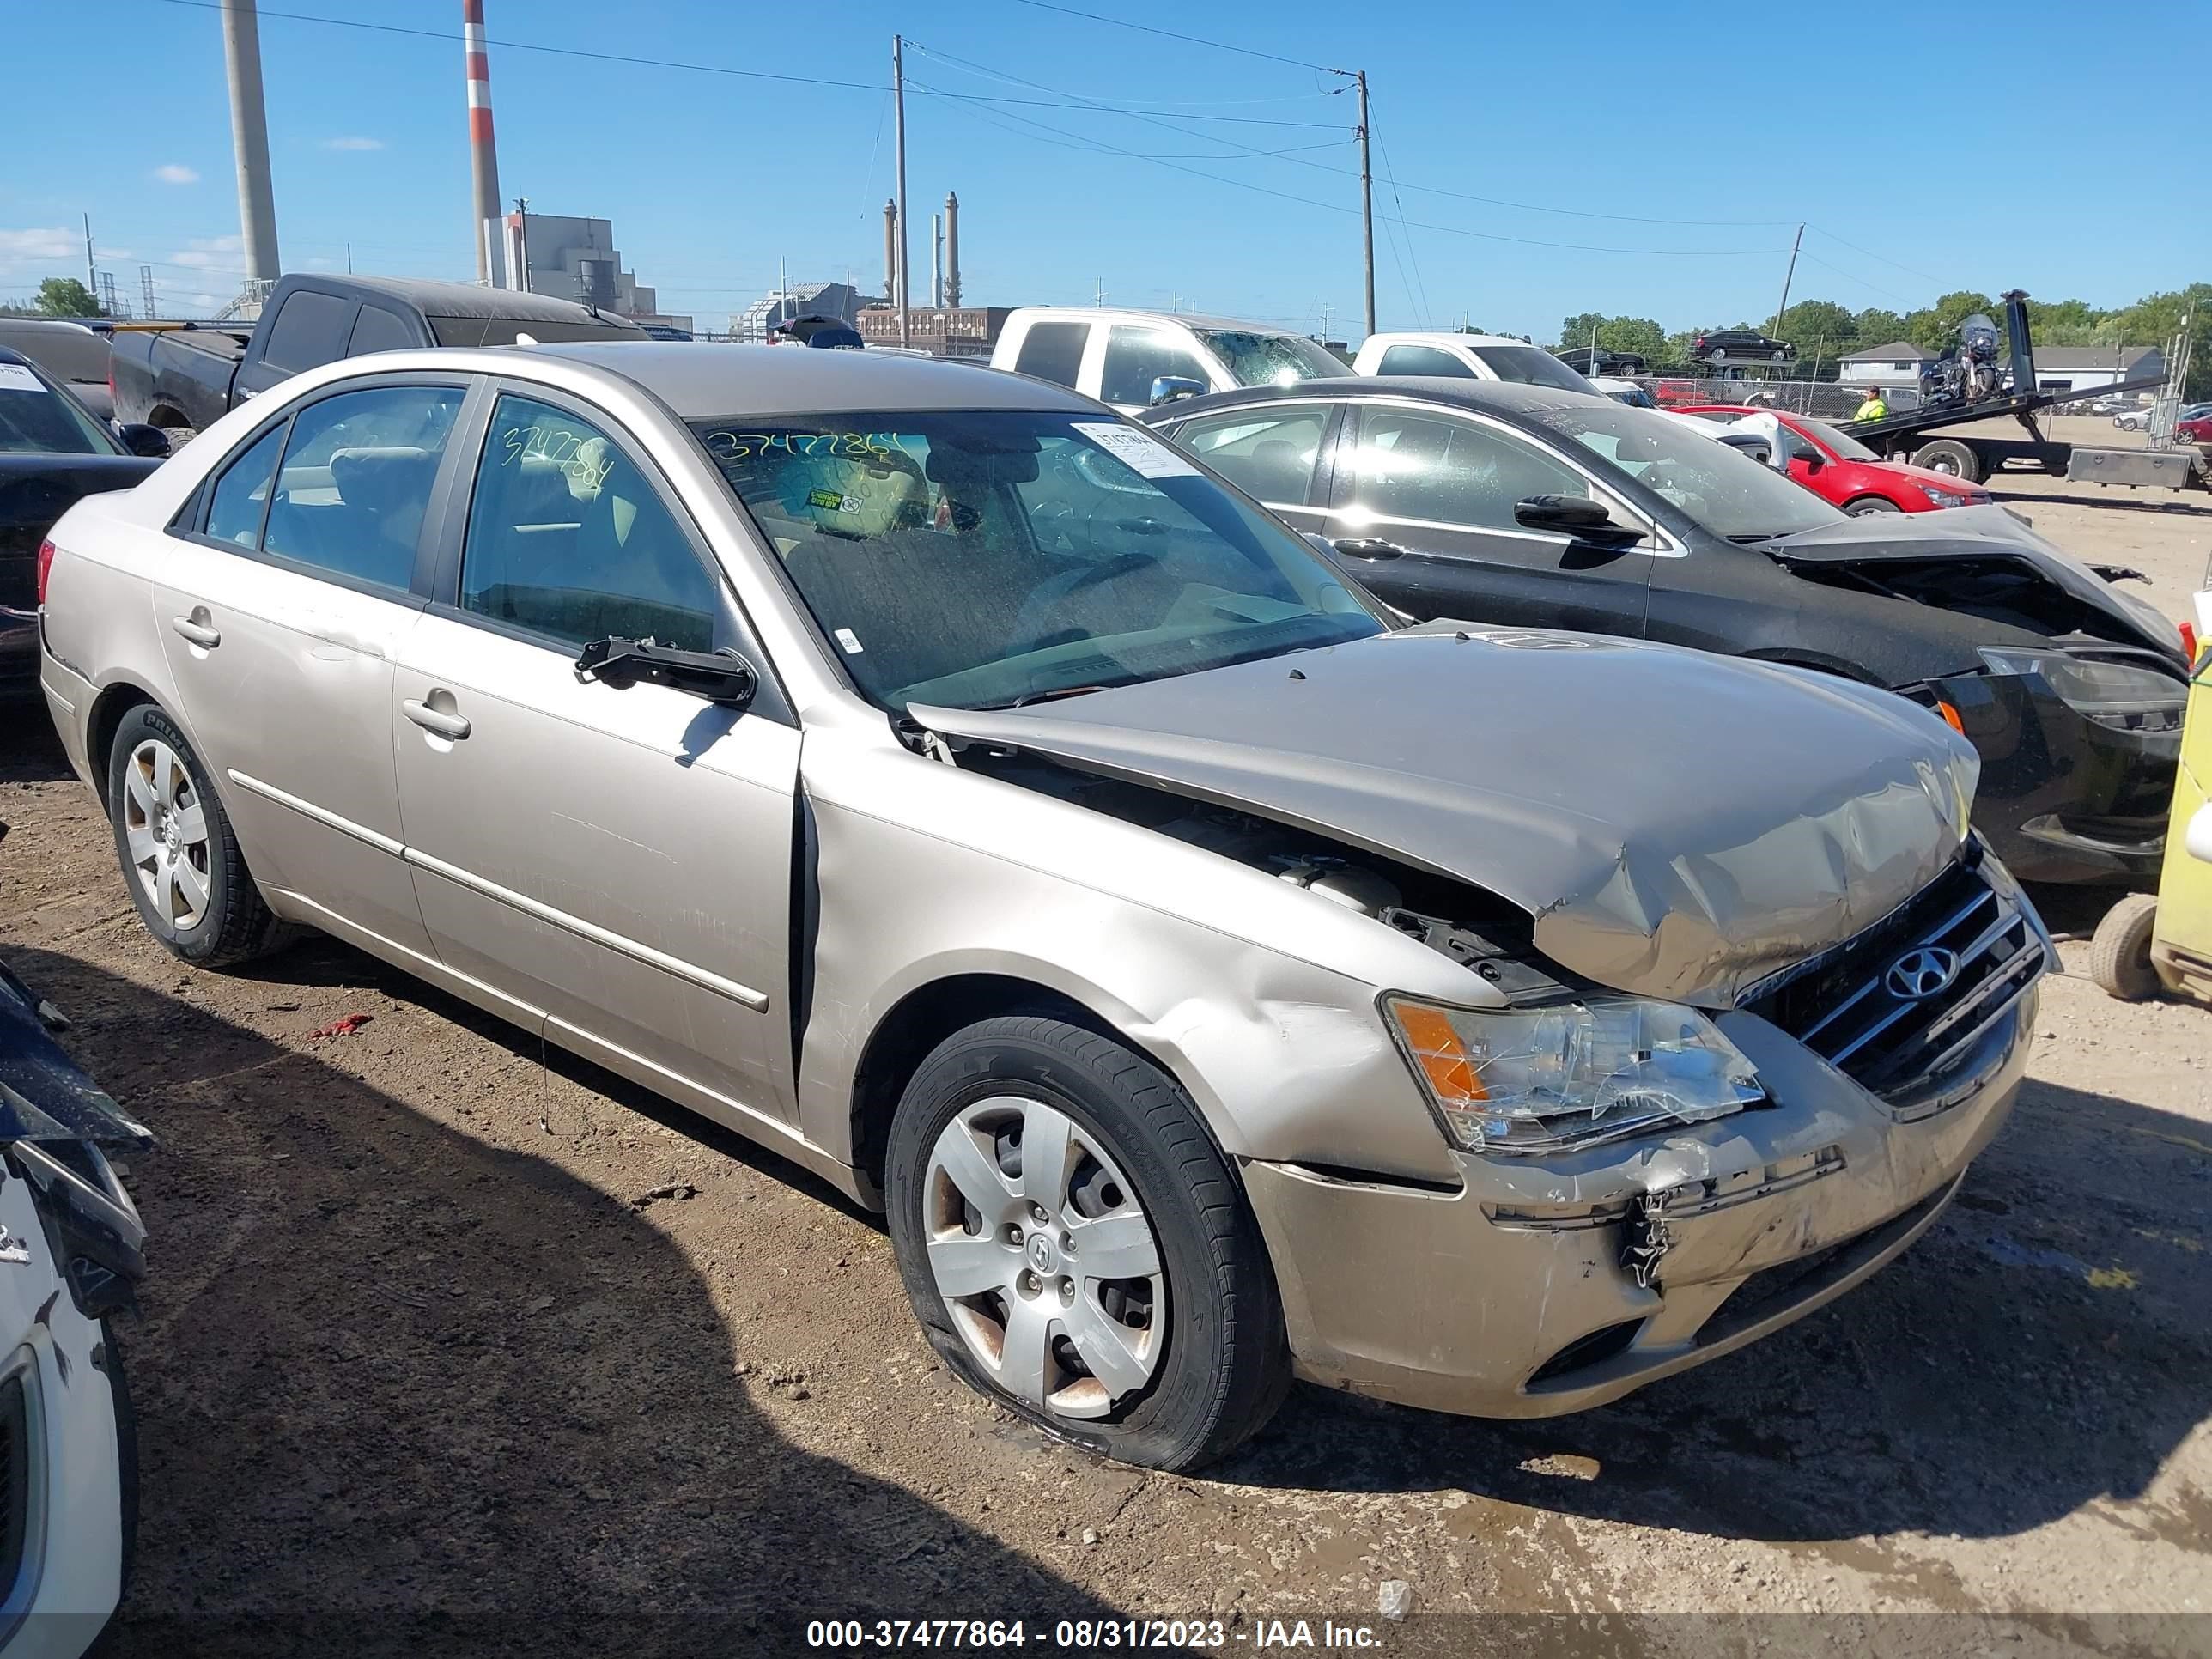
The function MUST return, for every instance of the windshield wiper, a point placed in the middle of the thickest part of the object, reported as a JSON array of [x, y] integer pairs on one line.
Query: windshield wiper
[[1055, 694], [1755, 537]]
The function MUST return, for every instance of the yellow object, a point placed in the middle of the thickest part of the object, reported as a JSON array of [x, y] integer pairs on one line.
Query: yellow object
[[1872, 408], [2181, 937]]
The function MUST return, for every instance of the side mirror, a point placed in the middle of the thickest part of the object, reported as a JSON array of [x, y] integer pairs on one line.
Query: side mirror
[[720, 678], [1173, 388], [1814, 459], [139, 438], [1576, 515]]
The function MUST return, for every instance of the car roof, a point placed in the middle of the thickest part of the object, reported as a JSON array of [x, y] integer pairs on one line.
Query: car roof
[[1507, 397], [701, 379], [1440, 338], [1129, 313], [436, 299]]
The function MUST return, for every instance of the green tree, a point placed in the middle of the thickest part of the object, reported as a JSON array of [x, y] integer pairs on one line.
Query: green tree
[[2068, 322], [1821, 331], [1877, 327], [2156, 318], [1638, 335], [1937, 325], [65, 296], [1574, 332]]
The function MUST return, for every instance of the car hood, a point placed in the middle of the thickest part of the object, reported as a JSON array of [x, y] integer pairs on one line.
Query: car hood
[[1979, 532], [1676, 824]]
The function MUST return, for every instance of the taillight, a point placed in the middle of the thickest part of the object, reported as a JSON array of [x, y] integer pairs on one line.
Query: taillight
[[46, 564], [2188, 638]]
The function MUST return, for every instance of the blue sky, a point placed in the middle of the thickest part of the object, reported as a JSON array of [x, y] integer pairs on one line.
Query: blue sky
[[1700, 113]]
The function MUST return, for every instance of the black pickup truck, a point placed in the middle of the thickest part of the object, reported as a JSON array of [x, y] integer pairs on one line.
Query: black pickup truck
[[184, 377]]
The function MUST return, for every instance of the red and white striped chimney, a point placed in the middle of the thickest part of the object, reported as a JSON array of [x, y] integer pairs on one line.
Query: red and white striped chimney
[[483, 160]]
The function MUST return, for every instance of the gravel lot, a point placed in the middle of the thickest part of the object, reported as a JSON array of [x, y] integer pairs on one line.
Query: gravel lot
[[426, 1366]]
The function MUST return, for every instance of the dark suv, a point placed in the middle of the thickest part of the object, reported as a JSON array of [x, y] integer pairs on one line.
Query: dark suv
[[1739, 345]]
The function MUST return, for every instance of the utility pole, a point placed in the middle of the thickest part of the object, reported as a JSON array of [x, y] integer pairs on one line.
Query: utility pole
[[91, 276], [898, 113], [1786, 275], [1366, 203], [1101, 300], [249, 141], [349, 258]]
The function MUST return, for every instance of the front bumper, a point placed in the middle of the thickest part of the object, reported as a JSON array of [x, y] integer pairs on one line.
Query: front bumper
[[1550, 1285], [2062, 799]]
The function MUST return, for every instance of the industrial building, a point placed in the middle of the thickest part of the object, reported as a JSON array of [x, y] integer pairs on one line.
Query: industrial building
[[783, 305], [941, 330], [572, 258]]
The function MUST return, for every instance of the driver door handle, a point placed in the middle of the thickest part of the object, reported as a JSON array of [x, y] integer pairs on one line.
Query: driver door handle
[[437, 720], [197, 632], [1368, 547]]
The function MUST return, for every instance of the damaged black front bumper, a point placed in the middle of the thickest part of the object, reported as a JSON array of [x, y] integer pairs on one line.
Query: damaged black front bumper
[[2063, 798]]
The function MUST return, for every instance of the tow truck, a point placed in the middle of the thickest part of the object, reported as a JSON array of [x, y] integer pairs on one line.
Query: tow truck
[[1906, 436]]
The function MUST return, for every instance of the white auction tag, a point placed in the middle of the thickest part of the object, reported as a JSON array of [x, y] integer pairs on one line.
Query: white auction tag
[[1137, 449], [14, 377]]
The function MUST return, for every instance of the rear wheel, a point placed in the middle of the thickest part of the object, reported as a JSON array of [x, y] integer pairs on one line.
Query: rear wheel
[[1948, 455], [1870, 504], [1076, 1250], [179, 856], [2119, 951]]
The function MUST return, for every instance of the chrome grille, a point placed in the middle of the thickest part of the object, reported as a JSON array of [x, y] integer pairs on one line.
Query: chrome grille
[[1850, 1008]]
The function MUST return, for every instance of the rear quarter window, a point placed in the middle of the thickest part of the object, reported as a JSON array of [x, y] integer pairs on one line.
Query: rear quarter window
[[309, 330], [1053, 351]]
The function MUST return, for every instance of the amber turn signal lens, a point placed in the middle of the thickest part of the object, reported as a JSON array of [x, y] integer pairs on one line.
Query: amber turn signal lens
[[1438, 1051], [1950, 716]]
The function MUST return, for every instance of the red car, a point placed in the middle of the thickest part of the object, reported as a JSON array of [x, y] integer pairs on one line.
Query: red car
[[2198, 431], [1849, 474]]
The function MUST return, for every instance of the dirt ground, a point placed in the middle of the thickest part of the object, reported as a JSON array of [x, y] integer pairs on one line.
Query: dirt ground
[[425, 1367]]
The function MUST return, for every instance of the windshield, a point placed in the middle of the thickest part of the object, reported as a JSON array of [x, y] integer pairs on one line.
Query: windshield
[[1531, 365], [1842, 443], [35, 417], [981, 559], [1270, 359], [1727, 492]]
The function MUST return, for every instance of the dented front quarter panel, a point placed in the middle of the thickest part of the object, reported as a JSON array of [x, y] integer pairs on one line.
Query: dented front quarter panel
[[1258, 996]]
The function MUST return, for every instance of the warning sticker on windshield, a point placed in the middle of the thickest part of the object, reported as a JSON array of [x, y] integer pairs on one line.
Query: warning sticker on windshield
[[1141, 452], [14, 377]]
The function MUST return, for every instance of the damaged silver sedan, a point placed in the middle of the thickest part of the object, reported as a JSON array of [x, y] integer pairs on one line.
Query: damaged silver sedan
[[953, 787]]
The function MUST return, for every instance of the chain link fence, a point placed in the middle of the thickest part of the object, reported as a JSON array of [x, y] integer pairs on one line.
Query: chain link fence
[[1826, 400]]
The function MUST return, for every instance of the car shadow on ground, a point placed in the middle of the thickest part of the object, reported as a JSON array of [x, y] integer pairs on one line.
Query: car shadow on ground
[[401, 1391], [2048, 1345]]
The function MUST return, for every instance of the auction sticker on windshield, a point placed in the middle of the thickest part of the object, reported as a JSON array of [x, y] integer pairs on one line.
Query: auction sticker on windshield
[[1141, 452], [14, 377]]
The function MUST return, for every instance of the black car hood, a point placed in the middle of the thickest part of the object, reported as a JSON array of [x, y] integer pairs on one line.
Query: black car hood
[[1979, 532], [43, 1094], [1675, 823]]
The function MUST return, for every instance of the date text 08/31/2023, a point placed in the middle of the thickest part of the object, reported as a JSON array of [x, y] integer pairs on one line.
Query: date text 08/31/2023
[[1083, 1635]]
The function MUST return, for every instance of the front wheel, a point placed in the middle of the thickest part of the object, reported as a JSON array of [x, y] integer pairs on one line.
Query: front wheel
[[1869, 504], [1076, 1247]]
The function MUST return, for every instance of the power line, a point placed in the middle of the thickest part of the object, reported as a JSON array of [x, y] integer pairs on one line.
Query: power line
[[1879, 258], [1847, 276], [1413, 258], [1189, 39]]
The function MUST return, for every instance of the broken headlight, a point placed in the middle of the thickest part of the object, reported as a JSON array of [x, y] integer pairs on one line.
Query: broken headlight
[[2117, 695], [1535, 1079]]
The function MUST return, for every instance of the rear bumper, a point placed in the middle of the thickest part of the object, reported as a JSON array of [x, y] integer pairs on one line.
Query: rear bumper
[[1519, 1295], [2062, 799]]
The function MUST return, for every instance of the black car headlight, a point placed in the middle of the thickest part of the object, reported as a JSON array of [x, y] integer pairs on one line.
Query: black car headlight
[[2123, 695]]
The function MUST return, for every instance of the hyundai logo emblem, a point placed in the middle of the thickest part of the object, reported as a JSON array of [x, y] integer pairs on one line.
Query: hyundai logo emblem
[[1918, 975]]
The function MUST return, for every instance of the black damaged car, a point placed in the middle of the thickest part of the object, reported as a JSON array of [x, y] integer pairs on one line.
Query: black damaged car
[[1529, 506]]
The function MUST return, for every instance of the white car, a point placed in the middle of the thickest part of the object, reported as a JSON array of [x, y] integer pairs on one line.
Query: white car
[[1467, 357], [1135, 359], [71, 1256]]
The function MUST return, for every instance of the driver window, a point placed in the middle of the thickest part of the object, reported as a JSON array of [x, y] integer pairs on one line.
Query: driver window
[[1136, 357], [566, 539], [1422, 465]]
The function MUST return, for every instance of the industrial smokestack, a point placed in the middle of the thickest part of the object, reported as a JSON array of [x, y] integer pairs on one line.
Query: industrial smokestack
[[249, 140], [937, 260], [951, 249], [890, 250], [483, 159]]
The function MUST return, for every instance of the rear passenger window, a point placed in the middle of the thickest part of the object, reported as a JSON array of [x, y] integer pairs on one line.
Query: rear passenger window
[[567, 539], [356, 481], [309, 331], [1267, 454], [378, 330], [1423, 360], [241, 495], [1053, 351]]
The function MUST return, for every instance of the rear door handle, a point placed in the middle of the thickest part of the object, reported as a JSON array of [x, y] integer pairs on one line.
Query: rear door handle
[[199, 633], [437, 720]]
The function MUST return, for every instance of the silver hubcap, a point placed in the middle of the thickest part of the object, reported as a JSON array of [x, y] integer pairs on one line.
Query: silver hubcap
[[1044, 1257], [166, 829]]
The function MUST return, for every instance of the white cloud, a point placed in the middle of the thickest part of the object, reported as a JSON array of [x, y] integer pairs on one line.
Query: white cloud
[[210, 253], [353, 143], [19, 248], [173, 173]]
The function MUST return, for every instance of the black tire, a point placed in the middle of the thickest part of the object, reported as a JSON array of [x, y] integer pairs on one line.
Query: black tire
[[2119, 951], [1948, 455], [1870, 504], [1225, 1363], [236, 925]]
